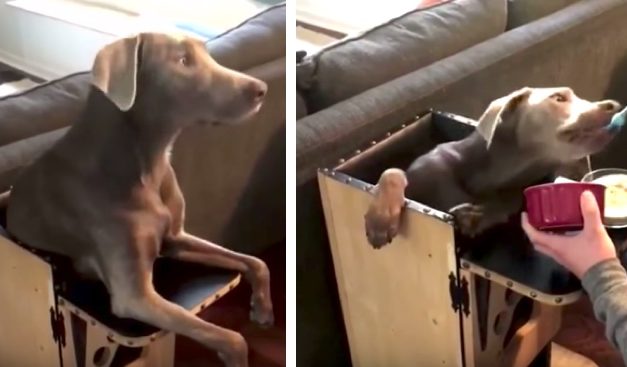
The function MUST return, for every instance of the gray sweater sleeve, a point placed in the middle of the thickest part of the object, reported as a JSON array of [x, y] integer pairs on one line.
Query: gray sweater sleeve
[[606, 284]]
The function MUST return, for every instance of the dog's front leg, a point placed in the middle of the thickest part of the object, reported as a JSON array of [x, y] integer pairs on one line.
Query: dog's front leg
[[128, 277], [186, 247], [473, 219], [382, 220]]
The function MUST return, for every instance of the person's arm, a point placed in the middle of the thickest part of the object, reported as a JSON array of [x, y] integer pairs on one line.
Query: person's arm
[[591, 256], [606, 285]]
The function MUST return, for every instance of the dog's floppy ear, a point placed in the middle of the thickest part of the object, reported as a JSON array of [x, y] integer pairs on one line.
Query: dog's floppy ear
[[498, 111], [115, 71]]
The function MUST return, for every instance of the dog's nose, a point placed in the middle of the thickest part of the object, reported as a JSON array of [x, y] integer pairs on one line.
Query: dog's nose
[[610, 106], [257, 90]]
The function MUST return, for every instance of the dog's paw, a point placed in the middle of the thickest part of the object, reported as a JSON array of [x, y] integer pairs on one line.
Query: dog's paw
[[382, 222], [261, 312], [468, 218], [384, 214], [233, 350]]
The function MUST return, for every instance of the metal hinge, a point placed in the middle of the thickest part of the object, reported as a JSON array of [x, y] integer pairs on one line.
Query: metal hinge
[[57, 323], [460, 299]]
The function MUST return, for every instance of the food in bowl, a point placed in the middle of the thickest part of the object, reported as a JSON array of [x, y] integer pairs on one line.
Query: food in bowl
[[615, 194], [615, 181]]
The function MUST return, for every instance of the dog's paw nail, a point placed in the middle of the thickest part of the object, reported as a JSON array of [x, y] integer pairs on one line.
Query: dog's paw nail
[[263, 321], [260, 315]]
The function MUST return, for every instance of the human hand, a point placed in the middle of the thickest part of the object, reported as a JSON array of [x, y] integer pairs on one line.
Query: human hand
[[580, 252]]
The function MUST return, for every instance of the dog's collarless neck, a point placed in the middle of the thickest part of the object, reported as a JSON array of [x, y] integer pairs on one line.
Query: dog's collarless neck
[[505, 167], [115, 135]]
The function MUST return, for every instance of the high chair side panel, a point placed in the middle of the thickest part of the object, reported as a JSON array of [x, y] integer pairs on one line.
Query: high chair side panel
[[396, 301], [27, 296]]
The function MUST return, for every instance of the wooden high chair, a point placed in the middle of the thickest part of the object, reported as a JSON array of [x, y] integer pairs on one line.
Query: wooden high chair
[[51, 318], [428, 298]]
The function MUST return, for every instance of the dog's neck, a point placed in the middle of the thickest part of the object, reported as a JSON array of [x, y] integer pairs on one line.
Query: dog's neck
[[501, 166], [138, 139], [155, 133]]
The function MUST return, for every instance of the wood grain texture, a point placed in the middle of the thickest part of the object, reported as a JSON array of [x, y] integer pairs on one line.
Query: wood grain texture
[[529, 336], [396, 302], [562, 357], [27, 296], [533, 336], [160, 353]]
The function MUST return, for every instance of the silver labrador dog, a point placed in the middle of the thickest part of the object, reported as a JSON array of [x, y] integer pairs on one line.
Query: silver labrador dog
[[520, 139], [106, 195]]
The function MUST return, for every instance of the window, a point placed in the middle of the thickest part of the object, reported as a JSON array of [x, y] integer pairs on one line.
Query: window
[[122, 17], [352, 16]]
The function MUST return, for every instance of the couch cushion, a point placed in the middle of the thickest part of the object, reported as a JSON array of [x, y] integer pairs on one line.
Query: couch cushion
[[43, 108], [14, 156], [301, 105], [261, 38], [521, 12], [409, 42]]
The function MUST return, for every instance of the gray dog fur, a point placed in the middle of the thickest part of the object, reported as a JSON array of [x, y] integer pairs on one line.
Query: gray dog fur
[[106, 195], [520, 139]]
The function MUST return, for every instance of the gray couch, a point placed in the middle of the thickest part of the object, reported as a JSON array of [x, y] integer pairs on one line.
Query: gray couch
[[230, 176], [455, 57]]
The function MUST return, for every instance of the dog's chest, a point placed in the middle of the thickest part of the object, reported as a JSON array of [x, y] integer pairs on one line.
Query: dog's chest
[[149, 211], [149, 229]]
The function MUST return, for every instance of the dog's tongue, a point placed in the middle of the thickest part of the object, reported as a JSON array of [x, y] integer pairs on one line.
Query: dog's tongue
[[617, 122]]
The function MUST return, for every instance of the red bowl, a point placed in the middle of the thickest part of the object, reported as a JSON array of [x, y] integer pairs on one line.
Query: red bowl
[[556, 206]]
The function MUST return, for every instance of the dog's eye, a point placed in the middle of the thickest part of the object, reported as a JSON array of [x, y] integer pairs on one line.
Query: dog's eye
[[559, 98], [184, 61]]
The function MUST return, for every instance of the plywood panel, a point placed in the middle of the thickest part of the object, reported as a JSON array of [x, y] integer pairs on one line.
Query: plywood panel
[[539, 331], [471, 336], [396, 301], [563, 357], [527, 341], [160, 353], [26, 296]]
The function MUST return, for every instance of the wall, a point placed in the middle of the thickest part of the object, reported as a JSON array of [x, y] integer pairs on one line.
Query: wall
[[46, 47], [35, 40]]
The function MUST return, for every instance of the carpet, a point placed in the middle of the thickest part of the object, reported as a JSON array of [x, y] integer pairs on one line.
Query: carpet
[[266, 347]]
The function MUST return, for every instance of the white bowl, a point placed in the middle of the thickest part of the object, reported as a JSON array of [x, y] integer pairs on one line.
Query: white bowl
[[615, 181]]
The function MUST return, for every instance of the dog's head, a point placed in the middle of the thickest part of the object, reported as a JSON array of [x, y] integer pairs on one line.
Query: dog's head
[[175, 76], [550, 122]]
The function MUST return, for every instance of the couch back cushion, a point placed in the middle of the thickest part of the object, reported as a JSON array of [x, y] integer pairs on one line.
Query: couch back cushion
[[256, 41], [301, 106], [409, 42], [520, 12]]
